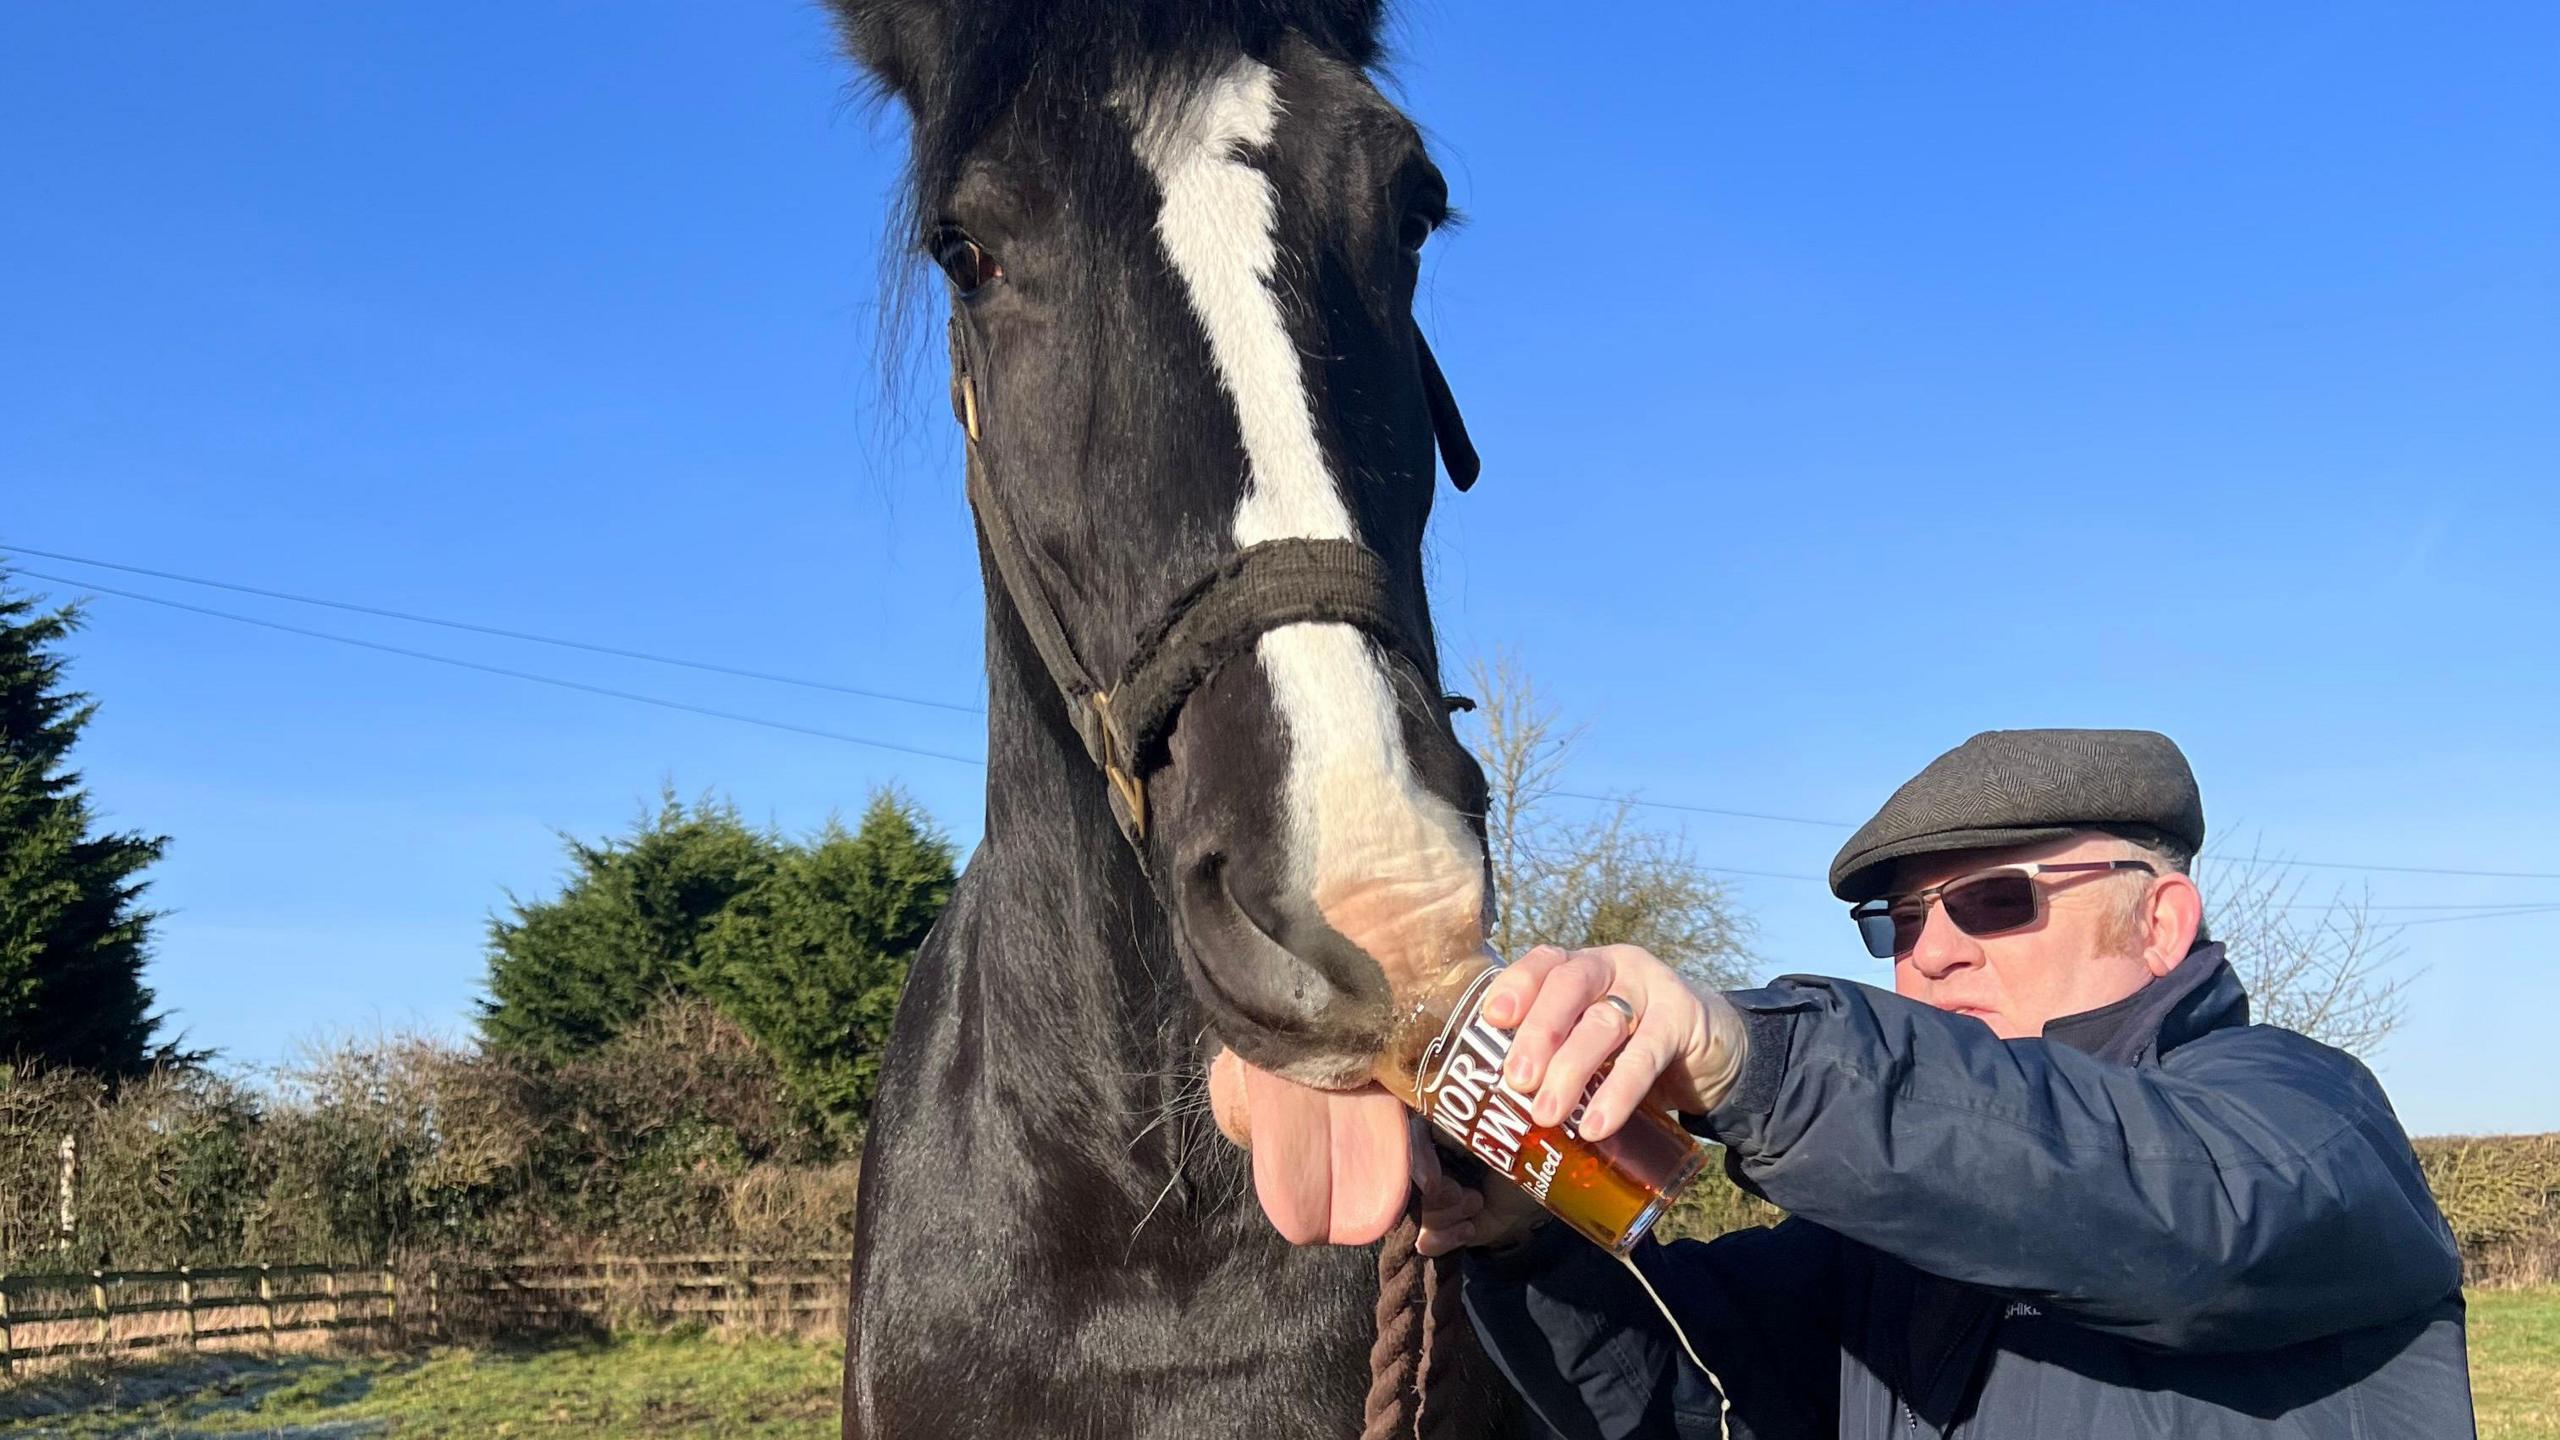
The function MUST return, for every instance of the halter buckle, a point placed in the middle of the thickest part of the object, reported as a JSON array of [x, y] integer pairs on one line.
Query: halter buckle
[[1127, 788], [964, 386]]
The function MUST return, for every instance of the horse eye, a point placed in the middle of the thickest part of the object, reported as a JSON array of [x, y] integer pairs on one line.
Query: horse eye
[[966, 261], [1415, 231]]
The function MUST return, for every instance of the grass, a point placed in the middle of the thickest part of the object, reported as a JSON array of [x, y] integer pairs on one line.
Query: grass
[[2515, 1364], [628, 1387], [693, 1385]]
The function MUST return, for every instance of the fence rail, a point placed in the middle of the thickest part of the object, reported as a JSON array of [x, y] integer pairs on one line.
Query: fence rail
[[100, 1313]]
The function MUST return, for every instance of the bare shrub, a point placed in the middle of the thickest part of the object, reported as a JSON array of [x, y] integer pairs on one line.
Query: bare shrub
[[2501, 1195], [1609, 880], [172, 1167], [2320, 966], [1715, 1206], [787, 1209], [681, 1134]]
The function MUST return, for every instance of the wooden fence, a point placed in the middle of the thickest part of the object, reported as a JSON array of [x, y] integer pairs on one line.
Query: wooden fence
[[755, 1294], [102, 1313]]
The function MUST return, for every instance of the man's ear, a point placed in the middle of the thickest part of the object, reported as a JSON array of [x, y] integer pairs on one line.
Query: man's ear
[[901, 42], [2170, 919]]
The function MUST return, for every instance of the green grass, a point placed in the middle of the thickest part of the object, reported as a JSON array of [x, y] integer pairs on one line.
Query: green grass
[[2515, 1364], [637, 1386], [690, 1385]]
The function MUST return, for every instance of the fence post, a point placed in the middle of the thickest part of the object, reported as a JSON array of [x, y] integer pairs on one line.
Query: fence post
[[435, 1298], [187, 1300], [391, 1299], [98, 1300], [8, 1336], [332, 1278], [267, 1305], [66, 1216]]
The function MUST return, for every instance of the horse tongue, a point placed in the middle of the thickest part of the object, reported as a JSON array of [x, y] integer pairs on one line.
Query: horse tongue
[[1330, 1166]]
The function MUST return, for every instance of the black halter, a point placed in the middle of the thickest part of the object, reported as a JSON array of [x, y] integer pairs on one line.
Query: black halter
[[1215, 619]]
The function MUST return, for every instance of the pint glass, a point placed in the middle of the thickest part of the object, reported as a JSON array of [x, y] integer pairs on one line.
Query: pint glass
[[1445, 1060]]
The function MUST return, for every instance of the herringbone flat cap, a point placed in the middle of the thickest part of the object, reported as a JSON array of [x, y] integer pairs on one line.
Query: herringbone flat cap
[[2023, 787]]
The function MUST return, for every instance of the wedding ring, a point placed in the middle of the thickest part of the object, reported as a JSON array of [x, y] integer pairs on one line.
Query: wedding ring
[[1623, 1006]]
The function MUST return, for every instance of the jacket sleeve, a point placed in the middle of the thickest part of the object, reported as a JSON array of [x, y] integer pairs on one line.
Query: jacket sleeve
[[2251, 1191], [1583, 1343]]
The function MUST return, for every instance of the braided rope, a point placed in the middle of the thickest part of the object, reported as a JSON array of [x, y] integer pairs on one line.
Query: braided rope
[[1446, 1408], [1397, 1357]]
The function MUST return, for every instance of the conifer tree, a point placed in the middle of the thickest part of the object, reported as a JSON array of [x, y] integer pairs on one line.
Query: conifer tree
[[73, 936], [567, 973], [811, 961], [803, 945]]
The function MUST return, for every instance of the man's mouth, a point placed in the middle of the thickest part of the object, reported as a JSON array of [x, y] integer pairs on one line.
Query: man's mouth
[[1329, 1166]]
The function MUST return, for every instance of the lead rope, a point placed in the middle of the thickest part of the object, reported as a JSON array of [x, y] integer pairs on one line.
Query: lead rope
[[1418, 1317], [1414, 1362], [1444, 1415], [1398, 1357]]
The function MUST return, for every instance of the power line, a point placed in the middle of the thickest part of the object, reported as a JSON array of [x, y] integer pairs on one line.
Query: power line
[[2418, 870], [525, 675], [2467, 905], [1763, 874], [2515, 914], [1701, 810], [717, 669], [1844, 825], [502, 633]]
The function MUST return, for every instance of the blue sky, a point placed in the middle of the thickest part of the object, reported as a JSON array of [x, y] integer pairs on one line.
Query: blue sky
[[1851, 378]]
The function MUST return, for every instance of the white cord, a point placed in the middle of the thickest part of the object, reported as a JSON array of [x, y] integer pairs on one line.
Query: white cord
[[1723, 1400]]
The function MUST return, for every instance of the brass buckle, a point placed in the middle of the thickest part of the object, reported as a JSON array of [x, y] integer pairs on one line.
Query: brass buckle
[[1131, 790]]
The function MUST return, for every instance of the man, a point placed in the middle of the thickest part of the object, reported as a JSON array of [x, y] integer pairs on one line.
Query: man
[[2056, 1186]]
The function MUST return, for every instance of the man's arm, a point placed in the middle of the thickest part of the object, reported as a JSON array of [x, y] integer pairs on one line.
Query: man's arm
[[2252, 1192], [1579, 1338]]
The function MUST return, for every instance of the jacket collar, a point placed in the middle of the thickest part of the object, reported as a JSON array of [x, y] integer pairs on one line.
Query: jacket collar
[[2199, 996]]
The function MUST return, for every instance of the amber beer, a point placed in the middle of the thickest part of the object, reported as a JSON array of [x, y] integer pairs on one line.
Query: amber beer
[[1445, 1060]]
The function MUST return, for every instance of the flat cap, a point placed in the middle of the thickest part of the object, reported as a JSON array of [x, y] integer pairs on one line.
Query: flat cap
[[2024, 787]]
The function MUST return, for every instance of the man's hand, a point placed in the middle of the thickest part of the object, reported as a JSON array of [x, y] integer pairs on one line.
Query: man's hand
[[1454, 1215], [1331, 1166], [1682, 1050]]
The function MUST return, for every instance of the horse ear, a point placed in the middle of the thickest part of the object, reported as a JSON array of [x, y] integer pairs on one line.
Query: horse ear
[[898, 41]]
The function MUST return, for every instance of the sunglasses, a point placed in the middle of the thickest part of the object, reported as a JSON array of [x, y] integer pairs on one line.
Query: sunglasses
[[1985, 902]]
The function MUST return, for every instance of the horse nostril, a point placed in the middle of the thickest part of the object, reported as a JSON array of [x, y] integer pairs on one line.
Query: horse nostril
[[1265, 914], [1277, 980]]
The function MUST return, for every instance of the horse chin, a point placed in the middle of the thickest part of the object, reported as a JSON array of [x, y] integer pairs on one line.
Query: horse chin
[[1327, 1072]]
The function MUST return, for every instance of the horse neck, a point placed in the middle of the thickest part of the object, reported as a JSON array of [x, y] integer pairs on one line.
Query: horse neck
[[1073, 960]]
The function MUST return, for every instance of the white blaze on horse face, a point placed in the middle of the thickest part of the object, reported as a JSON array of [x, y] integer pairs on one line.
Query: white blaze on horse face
[[1389, 864]]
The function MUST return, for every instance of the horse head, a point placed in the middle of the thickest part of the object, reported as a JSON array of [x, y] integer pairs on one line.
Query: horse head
[[1181, 239]]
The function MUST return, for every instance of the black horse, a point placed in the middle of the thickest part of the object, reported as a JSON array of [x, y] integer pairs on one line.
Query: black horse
[[1181, 238]]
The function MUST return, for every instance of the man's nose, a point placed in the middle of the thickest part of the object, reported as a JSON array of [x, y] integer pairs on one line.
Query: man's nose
[[1942, 947]]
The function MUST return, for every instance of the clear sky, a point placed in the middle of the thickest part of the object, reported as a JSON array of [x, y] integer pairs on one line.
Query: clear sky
[[1850, 377]]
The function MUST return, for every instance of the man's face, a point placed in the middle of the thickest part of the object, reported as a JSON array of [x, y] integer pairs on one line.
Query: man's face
[[2089, 948]]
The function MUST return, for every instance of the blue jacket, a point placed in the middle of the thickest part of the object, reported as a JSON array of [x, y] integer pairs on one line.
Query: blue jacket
[[2156, 1220]]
